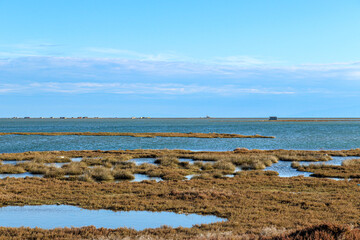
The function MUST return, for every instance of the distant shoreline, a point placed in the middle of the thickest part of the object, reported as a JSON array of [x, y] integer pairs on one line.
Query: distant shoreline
[[248, 119]]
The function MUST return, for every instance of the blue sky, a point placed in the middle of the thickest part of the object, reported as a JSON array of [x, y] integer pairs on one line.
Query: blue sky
[[180, 58]]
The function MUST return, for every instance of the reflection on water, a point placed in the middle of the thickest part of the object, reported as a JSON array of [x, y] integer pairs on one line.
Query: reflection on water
[[53, 216]]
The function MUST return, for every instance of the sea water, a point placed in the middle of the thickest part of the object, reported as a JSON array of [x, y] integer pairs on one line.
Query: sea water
[[289, 135]]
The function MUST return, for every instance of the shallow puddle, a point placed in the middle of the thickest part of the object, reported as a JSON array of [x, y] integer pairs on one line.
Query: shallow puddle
[[19, 175], [285, 170], [53, 216], [77, 159], [335, 161], [58, 165], [188, 177], [14, 162], [139, 161], [191, 161], [142, 177], [10, 162]]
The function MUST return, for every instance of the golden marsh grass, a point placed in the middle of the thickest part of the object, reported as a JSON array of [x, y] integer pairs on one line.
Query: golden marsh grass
[[256, 204]]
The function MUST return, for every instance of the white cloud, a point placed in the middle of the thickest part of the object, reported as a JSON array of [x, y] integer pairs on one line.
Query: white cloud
[[132, 88], [40, 55], [231, 68], [127, 54], [354, 75], [12, 88], [240, 61]]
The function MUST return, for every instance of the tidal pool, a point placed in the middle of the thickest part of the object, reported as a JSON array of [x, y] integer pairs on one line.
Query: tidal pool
[[285, 170], [142, 177], [14, 162], [58, 165], [59, 216], [189, 160], [77, 159], [337, 161], [19, 175], [139, 161]]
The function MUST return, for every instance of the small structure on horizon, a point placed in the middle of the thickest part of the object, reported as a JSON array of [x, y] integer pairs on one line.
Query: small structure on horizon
[[273, 118]]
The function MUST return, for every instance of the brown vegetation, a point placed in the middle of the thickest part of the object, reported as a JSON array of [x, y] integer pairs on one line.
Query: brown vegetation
[[11, 169], [205, 164], [167, 161], [101, 174], [256, 204], [120, 174], [54, 173], [326, 231], [74, 168], [34, 167], [303, 156], [226, 167], [41, 157]]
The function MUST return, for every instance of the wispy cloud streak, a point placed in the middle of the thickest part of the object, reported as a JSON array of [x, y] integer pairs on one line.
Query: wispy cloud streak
[[115, 66], [133, 88]]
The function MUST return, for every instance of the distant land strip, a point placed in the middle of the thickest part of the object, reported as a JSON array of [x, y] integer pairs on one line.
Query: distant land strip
[[154, 134], [312, 120]]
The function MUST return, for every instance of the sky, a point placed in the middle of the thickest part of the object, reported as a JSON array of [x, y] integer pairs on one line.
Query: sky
[[161, 58]]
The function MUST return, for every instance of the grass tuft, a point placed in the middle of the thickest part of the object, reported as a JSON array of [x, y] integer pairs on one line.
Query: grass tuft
[[122, 174], [101, 174]]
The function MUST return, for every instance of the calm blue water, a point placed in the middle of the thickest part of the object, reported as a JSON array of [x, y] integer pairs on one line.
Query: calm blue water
[[52, 216], [289, 135]]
